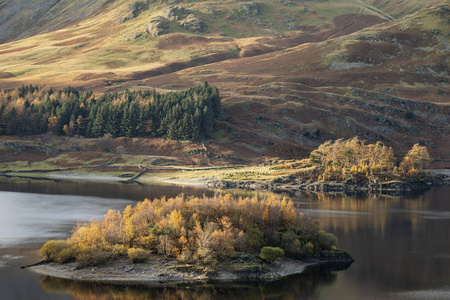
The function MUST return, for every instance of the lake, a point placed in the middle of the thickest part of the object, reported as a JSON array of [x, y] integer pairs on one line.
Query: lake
[[401, 245]]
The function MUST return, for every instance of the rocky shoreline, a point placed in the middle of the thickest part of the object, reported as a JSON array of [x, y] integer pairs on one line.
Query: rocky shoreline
[[349, 187], [162, 272], [289, 184]]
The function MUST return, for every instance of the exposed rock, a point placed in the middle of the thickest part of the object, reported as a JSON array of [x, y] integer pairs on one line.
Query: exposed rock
[[193, 23], [352, 187], [351, 65], [134, 10], [170, 1], [251, 8], [346, 187], [176, 13], [158, 26]]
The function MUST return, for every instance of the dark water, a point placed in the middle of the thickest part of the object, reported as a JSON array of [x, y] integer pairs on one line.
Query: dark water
[[401, 245]]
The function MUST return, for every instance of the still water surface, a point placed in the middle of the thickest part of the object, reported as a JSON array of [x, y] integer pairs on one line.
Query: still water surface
[[401, 245]]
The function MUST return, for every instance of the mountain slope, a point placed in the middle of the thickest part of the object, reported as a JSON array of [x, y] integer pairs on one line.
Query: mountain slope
[[292, 74], [128, 36], [388, 82], [23, 18]]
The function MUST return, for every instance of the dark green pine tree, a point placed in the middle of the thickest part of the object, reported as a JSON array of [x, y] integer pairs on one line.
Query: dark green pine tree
[[129, 124], [64, 114], [196, 128], [113, 122], [90, 121], [98, 127], [2, 120], [207, 122], [216, 103]]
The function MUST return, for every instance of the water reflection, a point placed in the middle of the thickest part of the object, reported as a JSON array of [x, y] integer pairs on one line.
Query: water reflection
[[350, 212], [104, 190], [303, 286], [398, 243], [401, 245]]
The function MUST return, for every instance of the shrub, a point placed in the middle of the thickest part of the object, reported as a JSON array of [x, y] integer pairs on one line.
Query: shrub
[[119, 250], [409, 115], [327, 241], [91, 257], [138, 255], [255, 237], [309, 249], [290, 243], [270, 254], [52, 249], [65, 255]]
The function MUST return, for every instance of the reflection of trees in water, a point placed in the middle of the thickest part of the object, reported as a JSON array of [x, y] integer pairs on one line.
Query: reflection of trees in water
[[102, 190], [302, 286], [395, 241], [375, 209]]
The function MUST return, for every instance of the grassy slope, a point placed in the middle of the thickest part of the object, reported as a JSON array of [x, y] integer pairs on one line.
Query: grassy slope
[[102, 46], [22, 18]]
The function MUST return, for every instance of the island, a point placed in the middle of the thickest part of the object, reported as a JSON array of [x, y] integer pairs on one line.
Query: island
[[192, 240]]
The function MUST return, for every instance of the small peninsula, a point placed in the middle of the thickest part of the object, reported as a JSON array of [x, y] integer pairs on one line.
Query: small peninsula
[[351, 166], [194, 240]]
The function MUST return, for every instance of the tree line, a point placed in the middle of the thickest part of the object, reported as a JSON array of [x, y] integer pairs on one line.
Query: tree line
[[343, 159], [186, 115]]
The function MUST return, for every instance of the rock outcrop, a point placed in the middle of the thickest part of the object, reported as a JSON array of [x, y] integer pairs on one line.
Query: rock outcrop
[[158, 26], [176, 13], [251, 8], [193, 23], [346, 187]]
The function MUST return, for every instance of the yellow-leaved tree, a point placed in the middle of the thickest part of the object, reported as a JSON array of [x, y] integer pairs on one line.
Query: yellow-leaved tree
[[416, 159]]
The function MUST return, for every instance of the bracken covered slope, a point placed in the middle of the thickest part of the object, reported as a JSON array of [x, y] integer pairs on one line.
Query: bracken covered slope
[[389, 82]]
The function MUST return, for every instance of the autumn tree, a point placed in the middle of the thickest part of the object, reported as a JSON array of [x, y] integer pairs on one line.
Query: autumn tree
[[416, 159], [353, 156]]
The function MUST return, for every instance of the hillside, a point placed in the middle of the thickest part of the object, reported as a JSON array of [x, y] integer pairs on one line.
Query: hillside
[[23, 18], [291, 74]]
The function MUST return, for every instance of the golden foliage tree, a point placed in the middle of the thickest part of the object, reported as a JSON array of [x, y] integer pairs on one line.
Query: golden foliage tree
[[416, 159]]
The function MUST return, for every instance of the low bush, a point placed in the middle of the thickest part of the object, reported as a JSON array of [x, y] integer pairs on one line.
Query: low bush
[[138, 255], [308, 250], [119, 250], [270, 254], [91, 257], [327, 241], [58, 251], [65, 255]]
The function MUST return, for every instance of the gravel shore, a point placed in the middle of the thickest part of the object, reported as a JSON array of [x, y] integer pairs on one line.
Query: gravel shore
[[162, 272]]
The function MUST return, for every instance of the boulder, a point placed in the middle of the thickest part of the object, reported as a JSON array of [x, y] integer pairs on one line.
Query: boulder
[[251, 8], [169, 1], [176, 13], [193, 23], [134, 10], [158, 26]]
